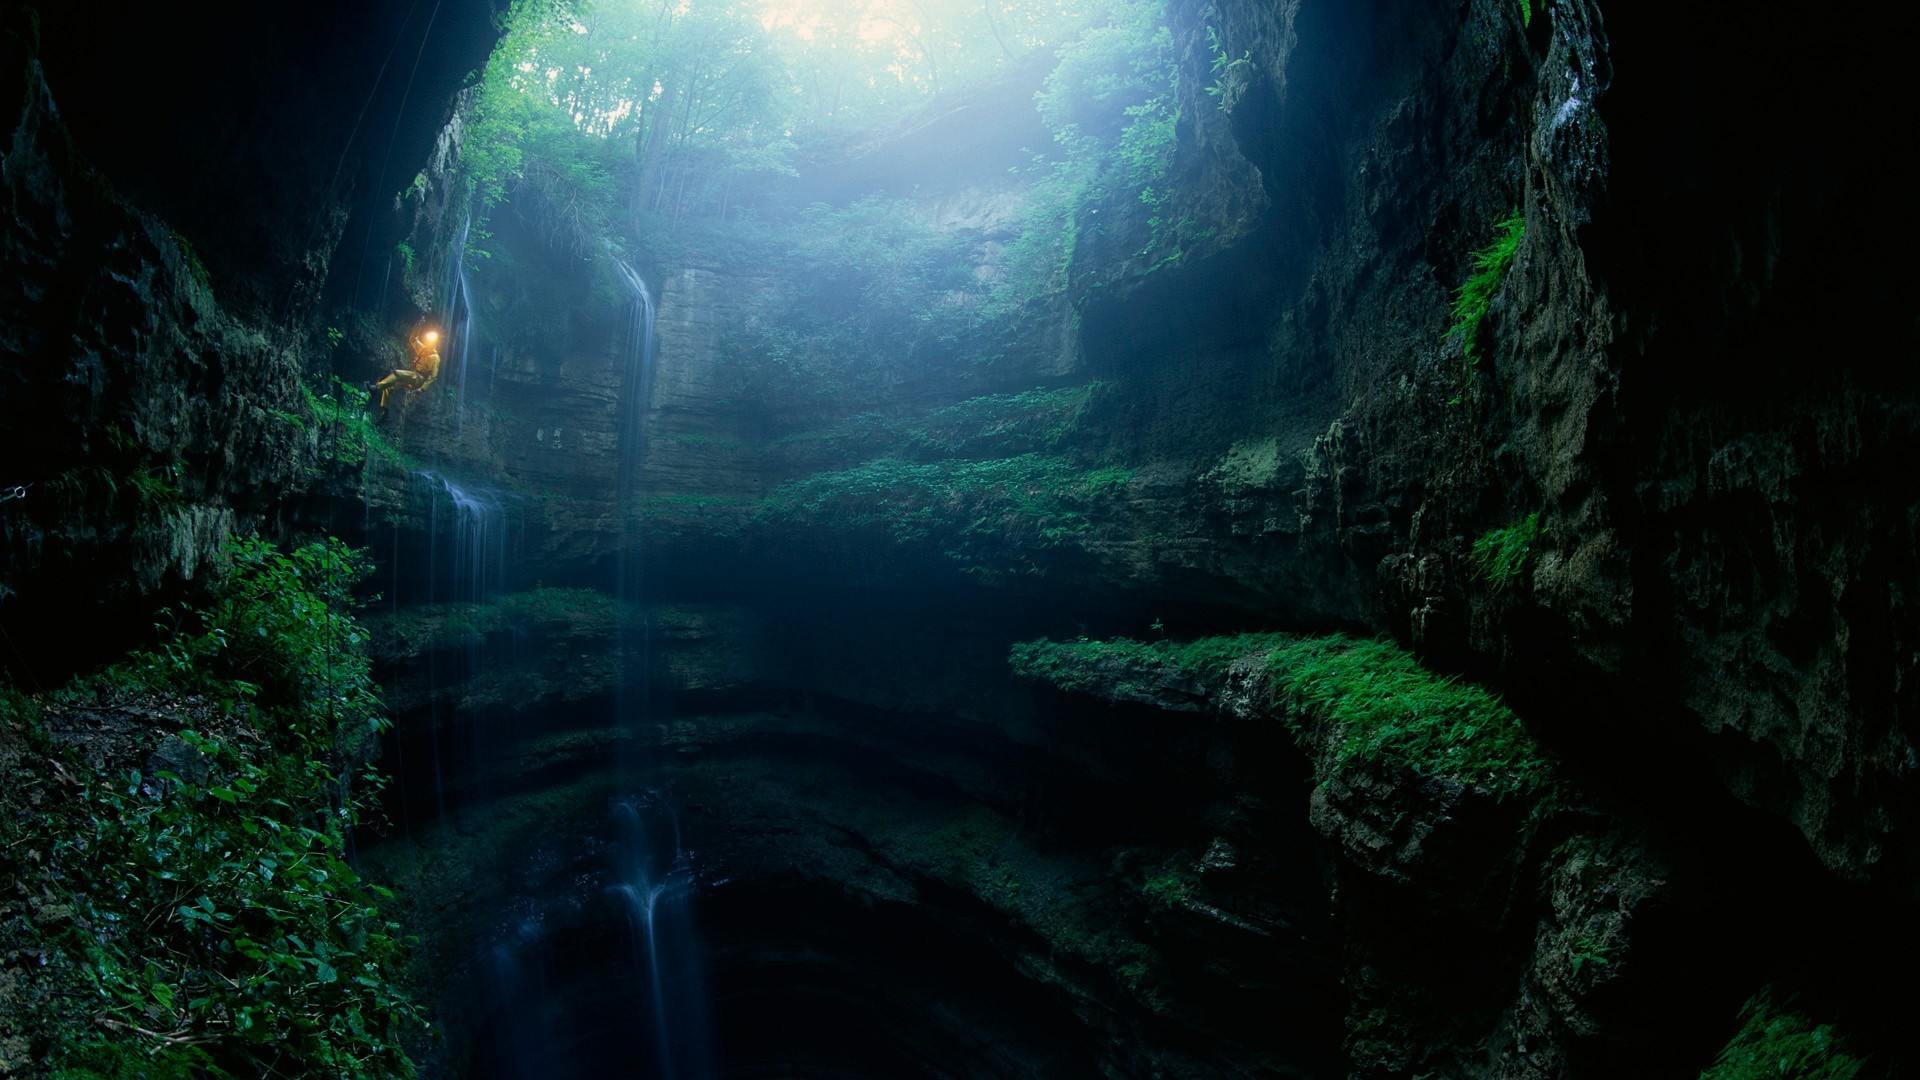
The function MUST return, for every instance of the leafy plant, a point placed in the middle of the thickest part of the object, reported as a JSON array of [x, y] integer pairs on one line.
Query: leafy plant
[[1475, 296], [1590, 950], [1169, 889], [1223, 65], [197, 915], [348, 435], [1500, 554], [1775, 1041]]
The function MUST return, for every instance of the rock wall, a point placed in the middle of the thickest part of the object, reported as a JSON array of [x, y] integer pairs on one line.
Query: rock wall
[[145, 424]]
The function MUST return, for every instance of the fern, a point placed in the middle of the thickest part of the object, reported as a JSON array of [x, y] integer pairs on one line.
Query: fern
[[1490, 265], [1500, 554]]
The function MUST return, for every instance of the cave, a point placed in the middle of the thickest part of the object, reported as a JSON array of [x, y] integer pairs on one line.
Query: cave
[[559, 539]]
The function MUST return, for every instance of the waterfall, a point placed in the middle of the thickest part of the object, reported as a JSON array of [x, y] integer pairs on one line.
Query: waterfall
[[459, 293], [638, 353], [468, 560], [654, 885], [479, 540], [637, 381]]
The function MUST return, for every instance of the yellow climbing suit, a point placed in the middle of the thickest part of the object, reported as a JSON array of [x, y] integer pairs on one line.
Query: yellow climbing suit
[[426, 368]]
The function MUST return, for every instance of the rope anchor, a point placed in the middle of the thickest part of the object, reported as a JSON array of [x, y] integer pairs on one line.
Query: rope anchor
[[17, 491]]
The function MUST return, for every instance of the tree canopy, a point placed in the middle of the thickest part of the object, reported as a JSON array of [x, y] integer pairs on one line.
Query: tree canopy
[[675, 106]]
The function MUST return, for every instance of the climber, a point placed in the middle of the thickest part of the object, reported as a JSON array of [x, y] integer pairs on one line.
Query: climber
[[426, 368]]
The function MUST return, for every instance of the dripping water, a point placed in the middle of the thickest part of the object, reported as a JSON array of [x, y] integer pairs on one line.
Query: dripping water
[[468, 560]]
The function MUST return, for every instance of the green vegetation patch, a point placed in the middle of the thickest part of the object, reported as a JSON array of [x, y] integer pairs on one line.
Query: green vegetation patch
[[432, 626], [348, 436], [1776, 1041], [1500, 554], [998, 425], [1377, 699], [182, 904], [1475, 297], [981, 514], [1093, 666]]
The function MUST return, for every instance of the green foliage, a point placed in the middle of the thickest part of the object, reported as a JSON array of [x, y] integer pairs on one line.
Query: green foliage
[[988, 516], [348, 436], [1170, 889], [1377, 700], [1591, 951], [1475, 297], [202, 919], [1526, 13], [998, 425], [1390, 709], [877, 288], [1128, 666], [192, 259], [111, 492], [429, 626], [1500, 554], [1224, 65], [1110, 105], [1777, 1042]]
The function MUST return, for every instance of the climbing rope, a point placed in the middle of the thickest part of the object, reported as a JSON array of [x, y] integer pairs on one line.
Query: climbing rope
[[17, 491]]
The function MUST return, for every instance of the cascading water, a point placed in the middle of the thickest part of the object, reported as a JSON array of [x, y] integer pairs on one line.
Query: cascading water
[[652, 874], [636, 386], [637, 383], [475, 540], [479, 540], [655, 885], [459, 292]]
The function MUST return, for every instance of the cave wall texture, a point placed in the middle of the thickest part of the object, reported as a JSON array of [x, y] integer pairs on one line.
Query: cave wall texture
[[1698, 374]]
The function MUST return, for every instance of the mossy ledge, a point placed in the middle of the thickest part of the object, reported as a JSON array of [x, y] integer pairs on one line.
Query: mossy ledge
[[1347, 700]]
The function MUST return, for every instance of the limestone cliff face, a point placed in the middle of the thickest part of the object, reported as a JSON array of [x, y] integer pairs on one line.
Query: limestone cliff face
[[1712, 548], [144, 423]]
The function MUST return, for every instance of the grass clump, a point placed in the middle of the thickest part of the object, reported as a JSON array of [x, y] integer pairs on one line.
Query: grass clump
[[1475, 296], [1378, 701], [1775, 1042], [1500, 554]]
